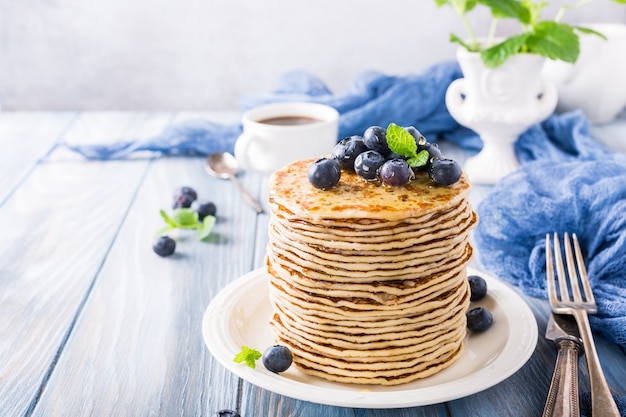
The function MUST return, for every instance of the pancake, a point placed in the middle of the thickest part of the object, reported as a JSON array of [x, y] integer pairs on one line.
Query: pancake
[[368, 282]]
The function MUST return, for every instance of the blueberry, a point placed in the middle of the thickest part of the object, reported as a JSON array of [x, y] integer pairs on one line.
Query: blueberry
[[375, 138], [206, 209], [396, 172], [415, 133], [346, 151], [445, 171], [184, 196], [478, 287], [164, 246], [479, 319], [367, 165], [227, 413], [277, 358], [324, 173]]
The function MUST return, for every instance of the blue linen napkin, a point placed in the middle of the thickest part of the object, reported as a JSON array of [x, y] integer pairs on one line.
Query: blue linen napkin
[[586, 197]]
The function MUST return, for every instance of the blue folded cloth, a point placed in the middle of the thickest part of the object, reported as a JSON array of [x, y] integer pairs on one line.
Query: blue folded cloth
[[583, 197]]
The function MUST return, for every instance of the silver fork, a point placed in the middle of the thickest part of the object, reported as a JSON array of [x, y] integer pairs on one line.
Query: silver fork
[[571, 300]]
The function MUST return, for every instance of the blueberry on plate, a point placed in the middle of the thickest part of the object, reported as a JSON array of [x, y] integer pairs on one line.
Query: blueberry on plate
[[324, 173], [184, 197], [346, 151], [367, 165], [375, 138], [227, 413], [479, 319], [277, 358], [164, 246], [396, 172], [444, 171], [478, 287]]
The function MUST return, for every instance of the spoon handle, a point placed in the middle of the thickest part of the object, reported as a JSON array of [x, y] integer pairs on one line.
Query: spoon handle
[[246, 196]]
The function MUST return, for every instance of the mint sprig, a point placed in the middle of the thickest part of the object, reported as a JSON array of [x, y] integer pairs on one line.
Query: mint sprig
[[403, 143], [185, 218], [248, 355]]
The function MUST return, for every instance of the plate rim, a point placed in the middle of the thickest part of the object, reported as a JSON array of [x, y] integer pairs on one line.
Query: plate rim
[[216, 320]]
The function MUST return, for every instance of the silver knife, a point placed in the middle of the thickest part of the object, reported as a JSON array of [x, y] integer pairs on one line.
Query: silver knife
[[563, 395]]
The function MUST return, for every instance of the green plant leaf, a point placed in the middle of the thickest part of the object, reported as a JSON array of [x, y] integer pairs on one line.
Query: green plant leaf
[[456, 39], [205, 228], [555, 41], [168, 219], [185, 218], [588, 31], [508, 9], [400, 141], [248, 355], [460, 6], [498, 54]]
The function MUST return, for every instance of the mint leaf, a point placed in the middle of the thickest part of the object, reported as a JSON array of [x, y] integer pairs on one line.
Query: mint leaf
[[419, 160], [168, 219], [555, 41], [205, 228], [185, 218], [400, 141], [248, 355], [164, 231]]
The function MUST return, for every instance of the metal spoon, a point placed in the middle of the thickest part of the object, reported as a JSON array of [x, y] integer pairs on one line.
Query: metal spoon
[[224, 165]]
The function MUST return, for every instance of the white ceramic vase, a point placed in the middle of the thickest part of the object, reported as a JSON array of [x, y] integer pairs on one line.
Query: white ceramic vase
[[499, 104]]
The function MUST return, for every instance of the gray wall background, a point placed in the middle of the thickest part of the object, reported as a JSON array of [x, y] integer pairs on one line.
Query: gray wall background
[[207, 54]]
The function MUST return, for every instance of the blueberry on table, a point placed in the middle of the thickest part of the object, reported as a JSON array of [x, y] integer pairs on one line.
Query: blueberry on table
[[375, 138], [227, 413], [479, 319], [444, 171], [478, 287], [396, 172], [206, 209], [184, 197], [346, 151], [324, 173], [367, 165], [164, 246], [277, 358]]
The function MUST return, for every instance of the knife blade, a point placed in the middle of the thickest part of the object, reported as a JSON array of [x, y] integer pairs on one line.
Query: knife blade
[[563, 394]]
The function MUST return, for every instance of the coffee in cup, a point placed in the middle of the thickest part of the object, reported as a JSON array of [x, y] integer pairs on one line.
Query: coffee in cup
[[279, 133]]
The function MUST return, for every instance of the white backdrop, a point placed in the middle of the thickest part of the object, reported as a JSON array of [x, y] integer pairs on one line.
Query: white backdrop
[[207, 54]]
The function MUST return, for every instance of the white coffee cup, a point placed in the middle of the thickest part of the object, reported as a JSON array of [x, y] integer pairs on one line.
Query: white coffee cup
[[279, 133]]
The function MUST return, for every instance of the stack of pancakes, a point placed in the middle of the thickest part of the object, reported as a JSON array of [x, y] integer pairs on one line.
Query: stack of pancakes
[[368, 282]]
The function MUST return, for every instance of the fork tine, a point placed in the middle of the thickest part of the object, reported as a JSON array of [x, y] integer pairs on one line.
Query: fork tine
[[584, 278], [550, 273], [571, 269], [560, 271]]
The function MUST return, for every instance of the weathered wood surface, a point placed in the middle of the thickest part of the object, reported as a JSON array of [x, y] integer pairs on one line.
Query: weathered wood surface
[[93, 323]]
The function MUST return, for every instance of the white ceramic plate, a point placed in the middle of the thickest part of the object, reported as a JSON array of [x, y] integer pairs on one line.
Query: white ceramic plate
[[239, 315]]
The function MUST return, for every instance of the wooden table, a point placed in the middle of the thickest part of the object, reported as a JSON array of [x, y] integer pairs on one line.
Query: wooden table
[[93, 323]]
